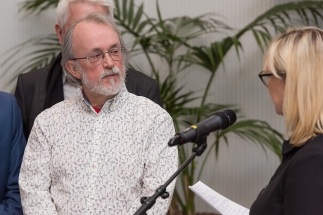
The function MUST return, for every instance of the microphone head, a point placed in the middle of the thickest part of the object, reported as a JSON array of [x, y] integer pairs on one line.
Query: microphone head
[[228, 117]]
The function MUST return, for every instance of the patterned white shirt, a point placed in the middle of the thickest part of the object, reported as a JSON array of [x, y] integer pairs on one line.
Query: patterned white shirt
[[80, 162]]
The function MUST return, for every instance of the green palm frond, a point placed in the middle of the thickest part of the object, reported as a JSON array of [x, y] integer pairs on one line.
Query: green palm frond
[[175, 102], [45, 50], [275, 20], [210, 57], [37, 6], [189, 28], [205, 111], [179, 31], [164, 37], [130, 17], [170, 44], [255, 131], [282, 17]]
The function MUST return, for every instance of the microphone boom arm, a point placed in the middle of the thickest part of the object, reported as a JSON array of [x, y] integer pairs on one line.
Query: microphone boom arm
[[148, 202]]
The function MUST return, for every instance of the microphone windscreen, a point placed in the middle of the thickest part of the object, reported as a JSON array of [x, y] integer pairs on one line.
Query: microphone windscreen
[[228, 118]]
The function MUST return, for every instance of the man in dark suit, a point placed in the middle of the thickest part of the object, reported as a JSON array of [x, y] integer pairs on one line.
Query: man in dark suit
[[12, 146], [41, 89]]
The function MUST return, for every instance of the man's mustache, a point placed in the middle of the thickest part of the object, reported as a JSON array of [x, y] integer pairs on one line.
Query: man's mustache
[[113, 71]]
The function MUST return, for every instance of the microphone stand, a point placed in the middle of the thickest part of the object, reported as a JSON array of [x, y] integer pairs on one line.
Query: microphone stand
[[148, 202]]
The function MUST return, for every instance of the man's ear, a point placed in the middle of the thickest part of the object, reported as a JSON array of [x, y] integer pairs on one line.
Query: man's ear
[[59, 33], [71, 68]]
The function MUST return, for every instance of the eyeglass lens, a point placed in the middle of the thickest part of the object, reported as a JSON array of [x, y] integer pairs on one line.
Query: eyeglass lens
[[97, 58], [265, 79]]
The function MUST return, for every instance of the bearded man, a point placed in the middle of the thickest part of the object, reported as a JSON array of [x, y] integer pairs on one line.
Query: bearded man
[[100, 152], [42, 88]]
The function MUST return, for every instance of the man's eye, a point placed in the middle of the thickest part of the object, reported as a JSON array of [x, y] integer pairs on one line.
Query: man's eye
[[96, 56], [114, 51]]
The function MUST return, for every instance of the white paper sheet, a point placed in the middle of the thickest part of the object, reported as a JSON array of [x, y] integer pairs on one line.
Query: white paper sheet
[[220, 204]]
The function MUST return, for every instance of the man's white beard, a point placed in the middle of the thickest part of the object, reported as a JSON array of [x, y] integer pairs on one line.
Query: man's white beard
[[99, 88]]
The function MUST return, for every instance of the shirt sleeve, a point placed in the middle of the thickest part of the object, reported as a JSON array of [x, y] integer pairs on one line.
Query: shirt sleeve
[[11, 203], [34, 179], [304, 186], [161, 163]]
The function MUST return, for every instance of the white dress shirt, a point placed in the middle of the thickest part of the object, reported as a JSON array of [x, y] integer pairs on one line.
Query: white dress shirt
[[81, 162]]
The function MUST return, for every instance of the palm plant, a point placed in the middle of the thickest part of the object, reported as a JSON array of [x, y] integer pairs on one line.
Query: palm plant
[[170, 41]]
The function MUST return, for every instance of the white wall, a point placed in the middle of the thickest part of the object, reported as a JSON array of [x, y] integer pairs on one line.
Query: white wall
[[242, 168]]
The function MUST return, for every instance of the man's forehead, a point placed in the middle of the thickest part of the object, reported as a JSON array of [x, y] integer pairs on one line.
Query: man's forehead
[[91, 35]]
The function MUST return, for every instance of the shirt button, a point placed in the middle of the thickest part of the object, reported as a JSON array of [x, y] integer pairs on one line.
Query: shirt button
[[112, 107], [93, 166]]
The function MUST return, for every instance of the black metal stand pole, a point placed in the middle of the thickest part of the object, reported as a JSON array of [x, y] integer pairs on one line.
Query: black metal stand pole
[[148, 202]]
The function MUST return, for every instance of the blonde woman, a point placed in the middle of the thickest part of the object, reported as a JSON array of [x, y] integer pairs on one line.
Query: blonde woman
[[293, 74]]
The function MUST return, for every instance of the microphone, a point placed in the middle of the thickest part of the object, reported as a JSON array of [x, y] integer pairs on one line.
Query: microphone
[[220, 120]]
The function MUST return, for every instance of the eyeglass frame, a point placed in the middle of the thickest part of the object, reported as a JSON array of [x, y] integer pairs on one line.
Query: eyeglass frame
[[260, 75], [102, 56]]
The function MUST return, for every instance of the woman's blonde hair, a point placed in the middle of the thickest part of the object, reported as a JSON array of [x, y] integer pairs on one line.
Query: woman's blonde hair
[[297, 57]]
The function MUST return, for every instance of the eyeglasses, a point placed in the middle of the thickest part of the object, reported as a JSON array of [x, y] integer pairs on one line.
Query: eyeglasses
[[96, 58], [264, 77]]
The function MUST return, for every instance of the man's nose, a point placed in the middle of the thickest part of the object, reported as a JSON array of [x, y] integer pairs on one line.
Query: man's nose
[[108, 62]]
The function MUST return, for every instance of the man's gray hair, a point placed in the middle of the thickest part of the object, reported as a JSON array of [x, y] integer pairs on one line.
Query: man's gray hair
[[67, 48], [63, 12]]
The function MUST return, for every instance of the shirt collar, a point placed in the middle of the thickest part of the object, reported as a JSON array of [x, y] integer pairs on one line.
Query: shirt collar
[[64, 79], [67, 81], [111, 104]]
